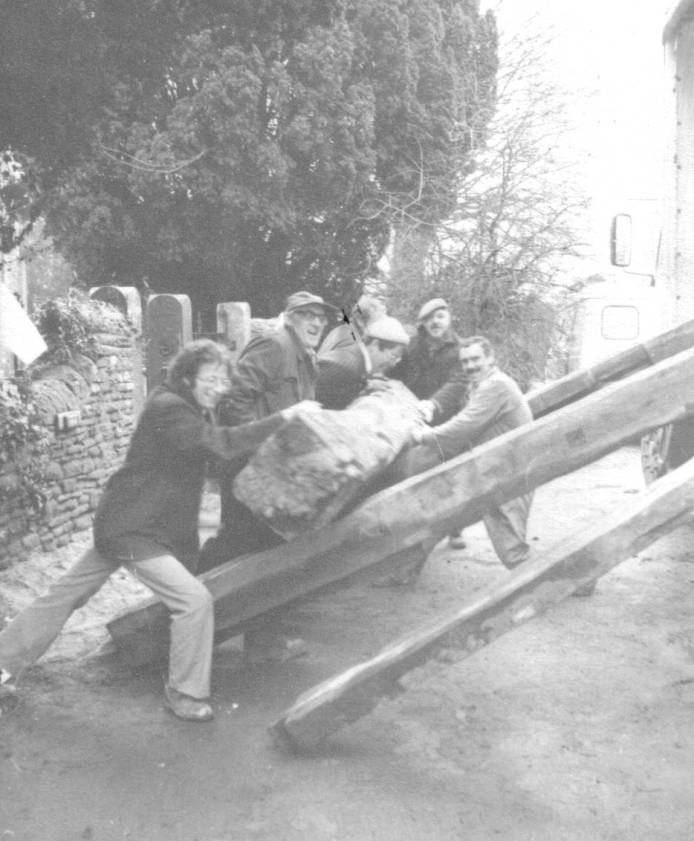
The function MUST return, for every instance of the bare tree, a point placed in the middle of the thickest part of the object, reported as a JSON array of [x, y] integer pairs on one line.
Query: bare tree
[[520, 210]]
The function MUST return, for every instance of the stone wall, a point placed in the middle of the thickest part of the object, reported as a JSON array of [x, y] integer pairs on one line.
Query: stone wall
[[90, 408]]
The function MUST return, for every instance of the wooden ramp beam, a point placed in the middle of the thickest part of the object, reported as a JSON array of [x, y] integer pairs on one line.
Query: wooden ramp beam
[[530, 591], [586, 381], [429, 505]]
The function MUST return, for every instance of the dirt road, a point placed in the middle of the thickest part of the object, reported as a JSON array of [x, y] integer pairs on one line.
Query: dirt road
[[577, 725]]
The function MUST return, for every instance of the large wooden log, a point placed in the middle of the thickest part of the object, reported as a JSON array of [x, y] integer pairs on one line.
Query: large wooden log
[[530, 591], [429, 505], [313, 467], [586, 381], [305, 475]]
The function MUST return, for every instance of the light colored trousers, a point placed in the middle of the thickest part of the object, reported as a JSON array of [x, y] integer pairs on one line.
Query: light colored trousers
[[192, 617], [506, 527]]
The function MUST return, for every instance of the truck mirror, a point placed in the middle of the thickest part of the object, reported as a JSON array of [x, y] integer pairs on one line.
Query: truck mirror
[[620, 240]]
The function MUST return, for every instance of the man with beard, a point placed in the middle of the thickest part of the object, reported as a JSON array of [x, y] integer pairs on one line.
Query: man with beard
[[431, 369]]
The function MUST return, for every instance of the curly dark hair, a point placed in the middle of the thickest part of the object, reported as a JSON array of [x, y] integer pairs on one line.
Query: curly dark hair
[[184, 367], [482, 341]]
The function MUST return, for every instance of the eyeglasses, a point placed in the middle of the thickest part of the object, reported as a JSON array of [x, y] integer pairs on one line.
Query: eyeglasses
[[224, 382], [312, 315]]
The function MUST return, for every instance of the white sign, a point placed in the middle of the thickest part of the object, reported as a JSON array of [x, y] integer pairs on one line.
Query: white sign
[[18, 333]]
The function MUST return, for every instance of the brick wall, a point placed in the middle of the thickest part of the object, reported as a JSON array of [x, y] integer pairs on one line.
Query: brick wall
[[96, 403]]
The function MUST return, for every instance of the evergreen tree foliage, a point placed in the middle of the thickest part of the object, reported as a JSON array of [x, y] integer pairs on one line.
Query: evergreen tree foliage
[[238, 149]]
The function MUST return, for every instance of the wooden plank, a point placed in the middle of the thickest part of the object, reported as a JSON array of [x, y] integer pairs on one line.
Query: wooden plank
[[580, 383], [431, 504], [306, 474], [142, 635], [530, 591], [309, 471]]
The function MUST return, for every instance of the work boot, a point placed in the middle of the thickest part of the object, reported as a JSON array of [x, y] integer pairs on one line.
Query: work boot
[[185, 707], [403, 578], [260, 648], [8, 693], [456, 540], [585, 590]]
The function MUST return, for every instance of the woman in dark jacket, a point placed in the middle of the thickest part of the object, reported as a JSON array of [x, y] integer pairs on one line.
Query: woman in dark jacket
[[147, 520]]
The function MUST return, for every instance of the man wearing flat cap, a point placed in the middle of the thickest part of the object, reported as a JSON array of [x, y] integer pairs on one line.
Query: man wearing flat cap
[[275, 371], [342, 376]]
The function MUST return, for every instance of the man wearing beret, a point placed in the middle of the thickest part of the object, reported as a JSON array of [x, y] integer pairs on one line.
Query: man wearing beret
[[345, 371], [431, 369]]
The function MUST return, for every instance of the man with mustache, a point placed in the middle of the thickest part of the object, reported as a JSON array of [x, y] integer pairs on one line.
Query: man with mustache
[[495, 405]]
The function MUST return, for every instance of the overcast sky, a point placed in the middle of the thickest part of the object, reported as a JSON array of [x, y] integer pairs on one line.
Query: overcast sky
[[611, 47]]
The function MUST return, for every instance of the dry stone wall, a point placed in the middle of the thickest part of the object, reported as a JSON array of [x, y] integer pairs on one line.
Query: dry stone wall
[[90, 408]]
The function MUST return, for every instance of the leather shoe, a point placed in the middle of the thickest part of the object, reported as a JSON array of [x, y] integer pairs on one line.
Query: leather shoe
[[279, 650], [457, 541], [8, 698], [185, 707]]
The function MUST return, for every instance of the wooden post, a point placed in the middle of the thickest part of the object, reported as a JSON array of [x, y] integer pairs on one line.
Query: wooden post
[[127, 300], [530, 591], [169, 326], [430, 504], [234, 323]]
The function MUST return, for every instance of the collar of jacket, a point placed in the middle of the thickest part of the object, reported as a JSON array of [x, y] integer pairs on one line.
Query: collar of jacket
[[472, 385], [185, 392], [301, 348]]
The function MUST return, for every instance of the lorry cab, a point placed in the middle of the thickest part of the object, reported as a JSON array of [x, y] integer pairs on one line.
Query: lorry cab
[[611, 316], [636, 312], [626, 305], [673, 277]]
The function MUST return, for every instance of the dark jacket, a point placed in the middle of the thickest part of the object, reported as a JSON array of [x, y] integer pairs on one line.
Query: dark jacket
[[274, 371], [340, 337], [342, 374], [432, 370], [151, 504]]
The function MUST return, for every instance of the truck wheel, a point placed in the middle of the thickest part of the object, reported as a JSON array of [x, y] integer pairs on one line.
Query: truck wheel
[[654, 453], [667, 447]]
